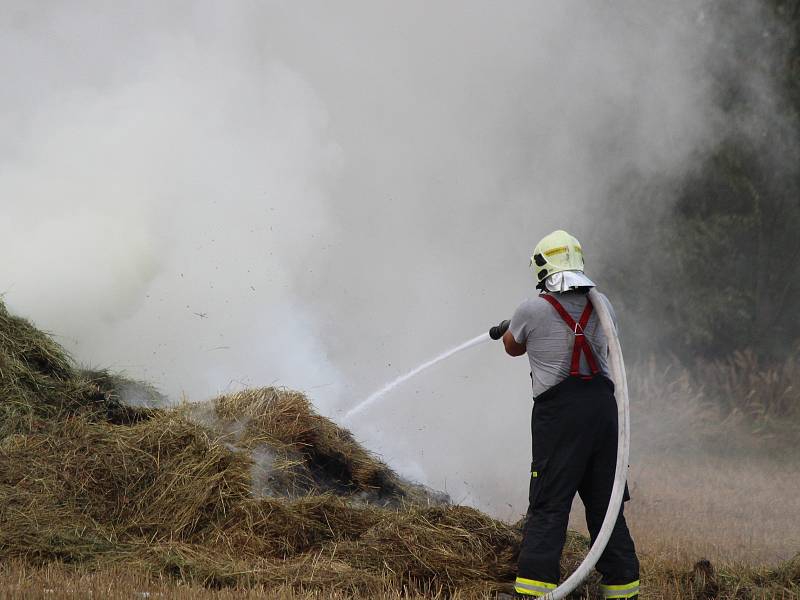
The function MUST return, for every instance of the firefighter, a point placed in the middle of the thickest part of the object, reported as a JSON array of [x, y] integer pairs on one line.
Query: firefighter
[[574, 422]]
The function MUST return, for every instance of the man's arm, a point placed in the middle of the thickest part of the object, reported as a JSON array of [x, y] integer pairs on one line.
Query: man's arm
[[512, 347], [519, 320]]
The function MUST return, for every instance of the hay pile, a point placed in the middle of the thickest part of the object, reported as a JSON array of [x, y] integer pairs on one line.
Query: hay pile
[[297, 451]]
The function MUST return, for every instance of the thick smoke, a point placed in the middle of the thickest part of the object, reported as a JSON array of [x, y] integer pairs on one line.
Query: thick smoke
[[158, 207], [323, 195]]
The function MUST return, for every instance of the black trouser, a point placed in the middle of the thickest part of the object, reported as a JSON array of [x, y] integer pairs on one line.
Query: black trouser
[[574, 427]]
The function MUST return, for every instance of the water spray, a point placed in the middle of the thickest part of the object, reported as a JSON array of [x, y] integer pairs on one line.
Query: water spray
[[375, 396]]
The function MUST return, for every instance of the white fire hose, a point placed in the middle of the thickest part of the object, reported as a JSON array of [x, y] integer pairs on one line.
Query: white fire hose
[[617, 367]]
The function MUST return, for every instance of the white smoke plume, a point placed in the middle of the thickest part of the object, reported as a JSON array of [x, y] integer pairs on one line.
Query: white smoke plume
[[158, 211], [323, 195]]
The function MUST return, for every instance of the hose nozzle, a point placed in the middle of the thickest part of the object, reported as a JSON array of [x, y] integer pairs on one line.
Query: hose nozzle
[[498, 331]]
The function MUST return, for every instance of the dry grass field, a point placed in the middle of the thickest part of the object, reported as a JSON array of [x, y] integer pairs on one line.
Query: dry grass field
[[745, 510], [56, 582], [724, 510], [664, 580]]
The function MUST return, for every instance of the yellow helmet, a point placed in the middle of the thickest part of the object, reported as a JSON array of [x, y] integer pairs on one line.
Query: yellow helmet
[[556, 252]]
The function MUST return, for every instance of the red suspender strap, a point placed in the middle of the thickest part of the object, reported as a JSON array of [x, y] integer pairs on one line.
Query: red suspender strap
[[581, 338], [580, 345]]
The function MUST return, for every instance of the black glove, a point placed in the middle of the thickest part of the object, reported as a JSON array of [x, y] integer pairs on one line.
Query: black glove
[[497, 331]]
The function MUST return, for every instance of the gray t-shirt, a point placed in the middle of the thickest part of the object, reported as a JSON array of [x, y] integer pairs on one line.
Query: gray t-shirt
[[549, 341]]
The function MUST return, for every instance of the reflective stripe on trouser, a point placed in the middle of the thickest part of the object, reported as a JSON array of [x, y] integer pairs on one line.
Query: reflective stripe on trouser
[[531, 587], [628, 590]]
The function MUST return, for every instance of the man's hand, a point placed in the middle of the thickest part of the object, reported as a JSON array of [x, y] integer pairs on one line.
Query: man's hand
[[511, 345], [497, 331]]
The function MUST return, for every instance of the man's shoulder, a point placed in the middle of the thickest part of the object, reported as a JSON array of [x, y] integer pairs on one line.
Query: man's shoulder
[[531, 307]]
